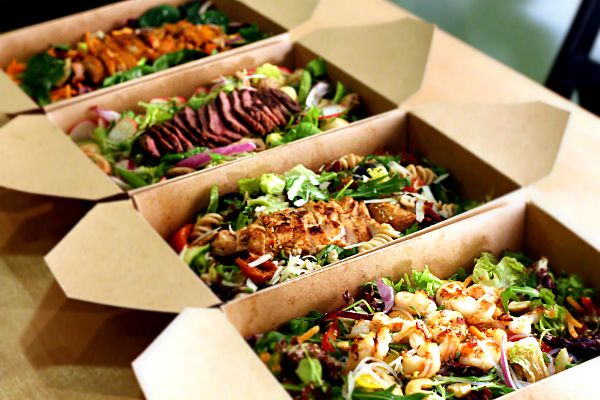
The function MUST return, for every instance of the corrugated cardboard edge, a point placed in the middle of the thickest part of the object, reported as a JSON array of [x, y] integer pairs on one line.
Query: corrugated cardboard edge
[[13, 99], [36, 157], [200, 355], [394, 68], [521, 140], [92, 263], [288, 14]]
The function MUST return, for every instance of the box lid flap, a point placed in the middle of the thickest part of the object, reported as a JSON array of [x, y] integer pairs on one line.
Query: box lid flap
[[575, 176], [331, 13], [520, 140], [394, 68], [37, 157], [13, 100], [113, 256], [201, 355], [286, 13]]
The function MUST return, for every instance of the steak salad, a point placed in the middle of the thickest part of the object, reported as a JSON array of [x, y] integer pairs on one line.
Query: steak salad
[[280, 226], [233, 117]]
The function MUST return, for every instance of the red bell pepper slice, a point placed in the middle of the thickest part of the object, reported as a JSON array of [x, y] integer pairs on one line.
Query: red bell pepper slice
[[180, 239], [259, 274], [330, 336]]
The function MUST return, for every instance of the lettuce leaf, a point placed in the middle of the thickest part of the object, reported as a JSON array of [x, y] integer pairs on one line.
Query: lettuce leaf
[[488, 271]]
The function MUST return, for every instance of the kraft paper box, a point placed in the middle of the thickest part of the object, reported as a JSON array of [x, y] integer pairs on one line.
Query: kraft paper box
[[31, 143], [22, 44], [203, 354], [118, 254]]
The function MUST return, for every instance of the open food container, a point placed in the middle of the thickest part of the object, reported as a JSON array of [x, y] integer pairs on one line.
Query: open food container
[[74, 73], [33, 142], [201, 346], [118, 254]]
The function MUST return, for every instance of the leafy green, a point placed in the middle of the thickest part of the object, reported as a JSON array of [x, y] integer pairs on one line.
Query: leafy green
[[214, 199], [215, 17], [528, 354], [386, 395], [323, 255], [270, 203], [488, 271], [419, 280], [305, 85], [511, 293], [176, 157], [159, 15], [42, 72], [374, 188], [310, 370], [520, 257], [176, 58], [271, 184], [252, 33], [552, 320], [156, 113], [572, 285], [340, 91], [317, 68], [271, 71], [269, 340], [130, 74], [298, 326], [300, 131], [249, 185]]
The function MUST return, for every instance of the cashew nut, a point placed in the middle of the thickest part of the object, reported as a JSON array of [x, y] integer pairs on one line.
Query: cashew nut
[[460, 389], [417, 386]]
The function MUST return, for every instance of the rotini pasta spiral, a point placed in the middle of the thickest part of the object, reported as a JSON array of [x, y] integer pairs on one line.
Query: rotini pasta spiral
[[425, 174], [204, 225], [385, 235], [348, 161]]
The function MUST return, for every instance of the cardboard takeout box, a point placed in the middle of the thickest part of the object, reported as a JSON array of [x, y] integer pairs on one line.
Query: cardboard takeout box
[[22, 44], [117, 254], [31, 143], [203, 352]]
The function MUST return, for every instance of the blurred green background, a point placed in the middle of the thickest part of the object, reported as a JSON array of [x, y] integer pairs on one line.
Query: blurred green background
[[524, 34]]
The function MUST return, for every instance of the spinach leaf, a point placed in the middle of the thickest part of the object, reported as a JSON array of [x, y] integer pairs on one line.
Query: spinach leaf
[[298, 326], [42, 72], [310, 370], [159, 15], [215, 17], [252, 33], [123, 76], [317, 68], [176, 58]]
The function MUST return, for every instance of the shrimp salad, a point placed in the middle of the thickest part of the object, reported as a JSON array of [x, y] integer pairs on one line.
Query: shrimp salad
[[510, 323], [280, 226]]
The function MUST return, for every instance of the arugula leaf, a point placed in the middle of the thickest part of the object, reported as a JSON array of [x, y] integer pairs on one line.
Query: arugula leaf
[[572, 285], [298, 326], [375, 188], [159, 15], [176, 58], [511, 292], [269, 340]]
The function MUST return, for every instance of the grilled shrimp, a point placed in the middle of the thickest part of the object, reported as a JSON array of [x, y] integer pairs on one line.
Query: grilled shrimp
[[414, 332], [482, 354], [477, 303], [522, 325], [449, 291], [422, 362], [371, 344], [361, 327], [448, 329], [363, 346], [417, 303], [395, 324]]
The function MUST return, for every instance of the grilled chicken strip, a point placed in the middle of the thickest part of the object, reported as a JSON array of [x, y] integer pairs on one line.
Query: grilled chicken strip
[[305, 230]]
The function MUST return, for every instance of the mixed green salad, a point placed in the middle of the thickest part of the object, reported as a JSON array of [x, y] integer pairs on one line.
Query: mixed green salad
[[510, 323], [280, 226]]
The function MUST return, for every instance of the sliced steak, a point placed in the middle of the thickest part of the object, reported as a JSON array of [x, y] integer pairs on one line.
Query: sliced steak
[[276, 108], [224, 106], [191, 117], [287, 101], [212, 139], [217, 126], [243, 115], [266, 109], [255, 111], [185, 143], [148, 145], [163, 144], [179, 120], [171, 137]]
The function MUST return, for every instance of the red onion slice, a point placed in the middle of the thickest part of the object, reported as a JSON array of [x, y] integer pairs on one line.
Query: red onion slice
[[387, 295], [506, 373], [201, 159], [108, 115]]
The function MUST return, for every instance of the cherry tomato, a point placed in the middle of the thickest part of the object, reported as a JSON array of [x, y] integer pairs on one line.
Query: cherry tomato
[[180, 239]]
